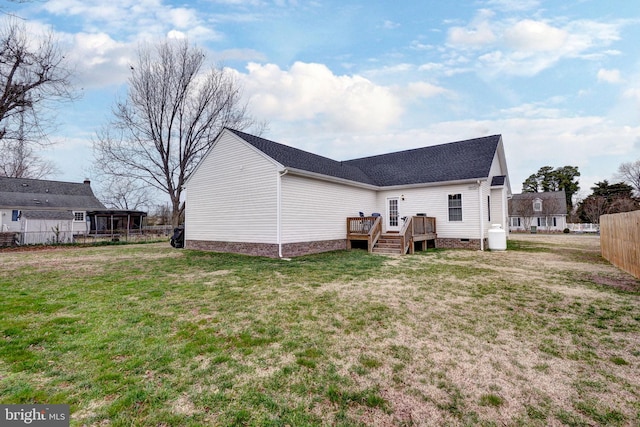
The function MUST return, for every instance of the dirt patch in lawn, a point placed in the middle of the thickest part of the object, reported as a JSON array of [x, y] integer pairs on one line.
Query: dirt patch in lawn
[[79, 258]]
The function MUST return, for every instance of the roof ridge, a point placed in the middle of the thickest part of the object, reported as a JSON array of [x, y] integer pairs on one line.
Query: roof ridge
[[43, 180], [427, 146]]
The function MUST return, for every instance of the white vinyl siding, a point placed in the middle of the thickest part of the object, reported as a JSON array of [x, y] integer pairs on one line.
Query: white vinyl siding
[[314, 210], [433, 201], [232, 196]]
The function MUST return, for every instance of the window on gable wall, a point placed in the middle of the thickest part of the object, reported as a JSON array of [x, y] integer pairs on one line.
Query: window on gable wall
[[455, 207]]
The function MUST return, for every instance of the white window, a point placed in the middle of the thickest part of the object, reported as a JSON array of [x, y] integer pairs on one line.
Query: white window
[[537, 205], [542, 222], [515, 222], [78, 216], [455, 207]]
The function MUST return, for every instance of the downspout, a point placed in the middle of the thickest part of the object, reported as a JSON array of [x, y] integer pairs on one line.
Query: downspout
[[279, 211], [481, 217]]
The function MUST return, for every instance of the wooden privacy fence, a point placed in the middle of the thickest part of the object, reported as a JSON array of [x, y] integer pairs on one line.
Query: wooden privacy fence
[[620, 240]]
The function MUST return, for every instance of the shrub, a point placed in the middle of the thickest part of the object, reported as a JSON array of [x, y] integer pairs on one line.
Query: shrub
[[566, 231]]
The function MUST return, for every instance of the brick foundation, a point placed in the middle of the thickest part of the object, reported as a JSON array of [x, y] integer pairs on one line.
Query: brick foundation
[[460, 243], [268, 249], [307, 248]]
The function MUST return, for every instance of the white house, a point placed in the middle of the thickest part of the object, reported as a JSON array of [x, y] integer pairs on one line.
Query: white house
[[545, 211], [255, 196], [43, 211]]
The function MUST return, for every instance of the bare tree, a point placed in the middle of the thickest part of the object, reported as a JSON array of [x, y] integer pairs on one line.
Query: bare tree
[[33, 74], [124, 193], [523, 208], [19, 161], [172, 113], [629, 172], [593, 207], [160, 215], [552, 207]]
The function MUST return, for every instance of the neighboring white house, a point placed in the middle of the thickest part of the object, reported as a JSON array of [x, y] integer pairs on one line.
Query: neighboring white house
[[546, 211], [43, 211], [255, 196]]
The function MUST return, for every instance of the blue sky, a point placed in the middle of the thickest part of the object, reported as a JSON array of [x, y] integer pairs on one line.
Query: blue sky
[[560, 80]]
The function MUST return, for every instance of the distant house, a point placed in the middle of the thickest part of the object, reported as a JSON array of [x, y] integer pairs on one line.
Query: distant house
[[43, 211], [546, 211], [255, 196]]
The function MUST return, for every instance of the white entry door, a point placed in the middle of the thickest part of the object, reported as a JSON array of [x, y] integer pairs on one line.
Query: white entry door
[[393, 214]]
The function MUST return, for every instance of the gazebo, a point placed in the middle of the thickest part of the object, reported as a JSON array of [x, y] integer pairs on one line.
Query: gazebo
[[115, 221]]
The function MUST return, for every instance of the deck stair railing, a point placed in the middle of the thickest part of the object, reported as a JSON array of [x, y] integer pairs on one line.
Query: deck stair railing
[[416, 231], [367, 228]]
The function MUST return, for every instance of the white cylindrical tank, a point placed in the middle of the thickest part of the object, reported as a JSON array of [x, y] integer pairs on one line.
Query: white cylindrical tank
[[497, 238]]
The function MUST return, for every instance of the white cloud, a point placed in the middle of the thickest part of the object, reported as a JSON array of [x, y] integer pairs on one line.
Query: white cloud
[[534, 36], [99, 59], [532, 111], [312, 92], [174, 34], [633, 93], [390, 25], [424, 90], [431, 66], [609, 76], [134, 19], [528, 46], [476, 36], [513, 5]]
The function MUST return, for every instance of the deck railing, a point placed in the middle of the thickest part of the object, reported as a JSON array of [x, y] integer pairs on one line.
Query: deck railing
[[406, 236], [416, 229], [423, 225], [367, 228]]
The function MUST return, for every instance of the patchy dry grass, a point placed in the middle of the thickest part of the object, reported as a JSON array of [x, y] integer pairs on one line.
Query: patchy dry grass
[[545, 333]]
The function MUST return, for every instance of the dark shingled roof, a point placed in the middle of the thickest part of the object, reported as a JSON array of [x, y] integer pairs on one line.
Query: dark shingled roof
[[556, 203], [454, 161], [53, 215], [23, 193], [303, 160]]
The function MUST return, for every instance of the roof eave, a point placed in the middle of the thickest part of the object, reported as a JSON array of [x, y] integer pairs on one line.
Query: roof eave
[[328, 178], [315, 175], [435, 184]]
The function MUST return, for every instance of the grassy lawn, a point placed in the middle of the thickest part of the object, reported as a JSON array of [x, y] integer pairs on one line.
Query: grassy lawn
[[546, 333]]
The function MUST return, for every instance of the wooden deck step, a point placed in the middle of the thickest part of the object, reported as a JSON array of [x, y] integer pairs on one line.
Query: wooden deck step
[[388, 244]]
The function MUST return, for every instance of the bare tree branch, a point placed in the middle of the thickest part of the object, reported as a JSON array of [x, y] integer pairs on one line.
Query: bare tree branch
[[172, 113], [629, 172], [593, 207], [33, 75]]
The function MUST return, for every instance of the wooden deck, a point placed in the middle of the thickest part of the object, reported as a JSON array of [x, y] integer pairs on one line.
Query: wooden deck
[[416, 229], [367, 228]]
